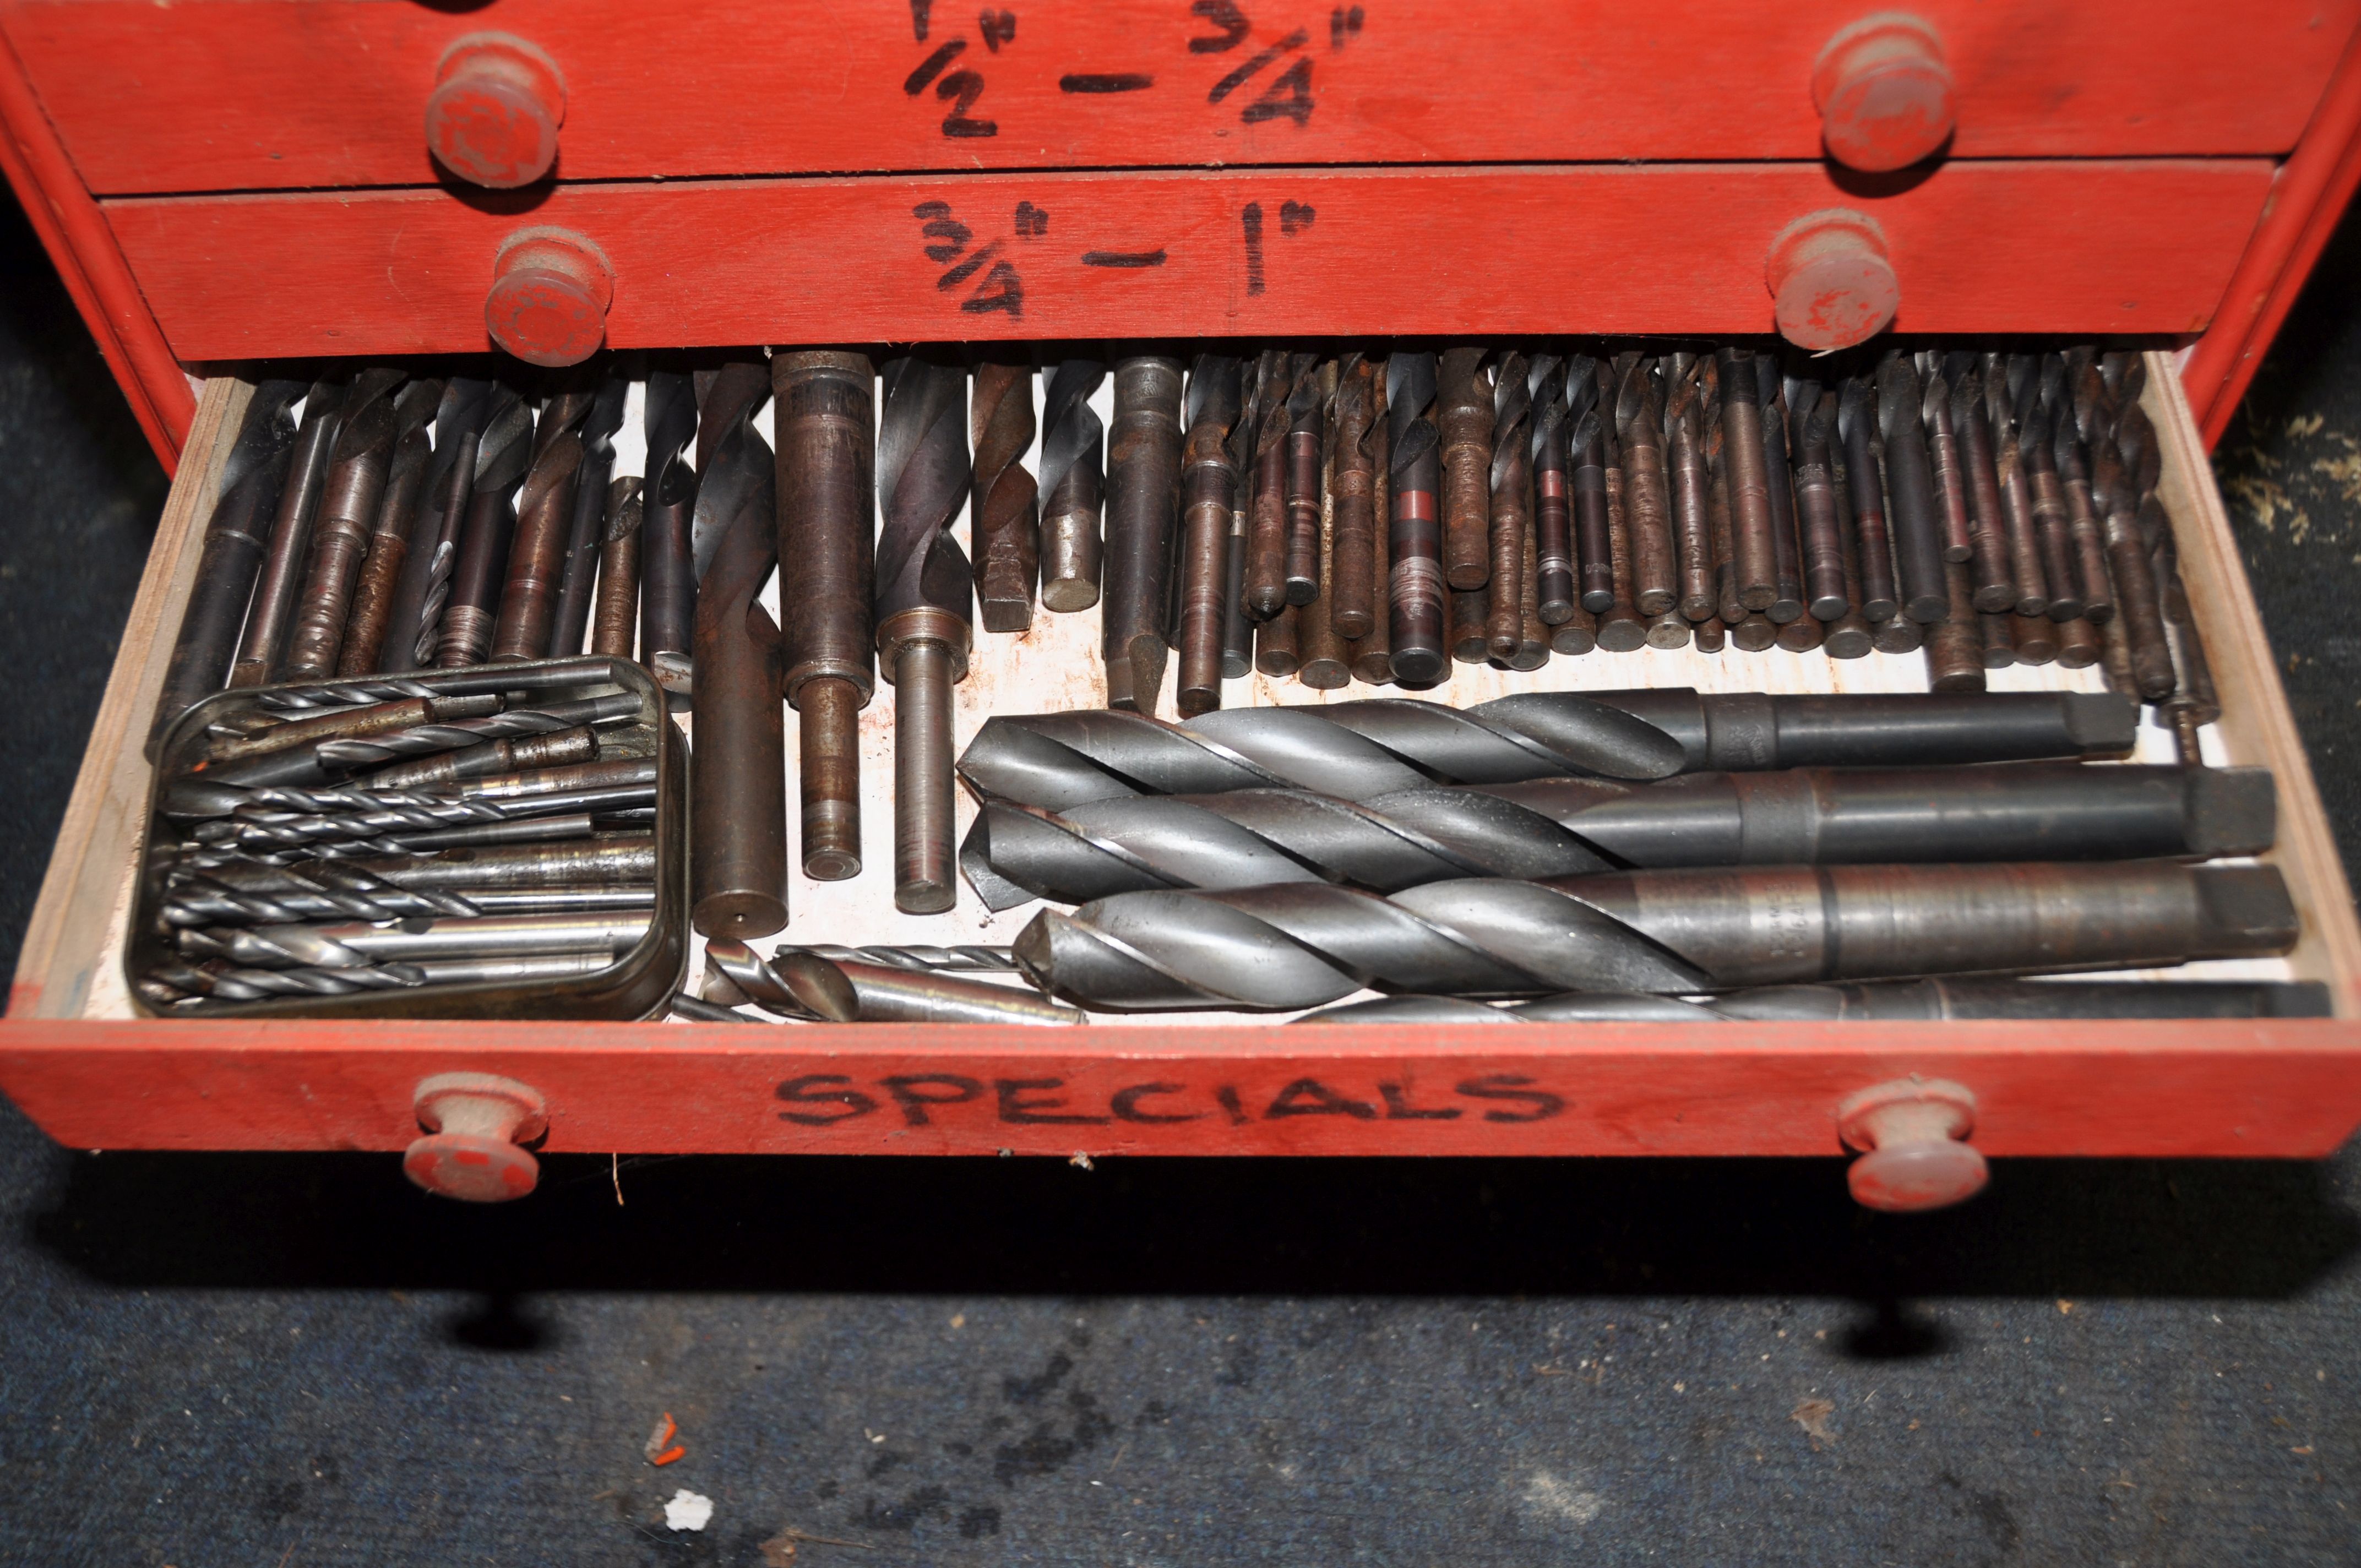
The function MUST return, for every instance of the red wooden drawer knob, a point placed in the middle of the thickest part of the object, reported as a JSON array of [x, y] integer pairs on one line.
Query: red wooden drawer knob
[[1913, 1134], [1831, 285], [492, 118], [1884, 92], [549, 292], [474, 1122]]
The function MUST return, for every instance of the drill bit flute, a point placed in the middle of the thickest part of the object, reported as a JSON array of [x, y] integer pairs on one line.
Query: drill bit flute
[[615, 611], [414, 621], [544, 520], [262, 649], [667, 508], [349, 499], [399, 516], [1003, 514], [1073, 448], [479, 565], [585, 532]]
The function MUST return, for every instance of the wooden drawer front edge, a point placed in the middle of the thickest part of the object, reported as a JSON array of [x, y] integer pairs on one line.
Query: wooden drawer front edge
[[331, 92], [2099, 247], [2262, 1088]]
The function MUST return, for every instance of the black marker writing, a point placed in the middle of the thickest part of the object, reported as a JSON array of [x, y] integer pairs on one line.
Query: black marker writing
[[1121, 81], [1239, 78], [932, 66], [1123, 258]]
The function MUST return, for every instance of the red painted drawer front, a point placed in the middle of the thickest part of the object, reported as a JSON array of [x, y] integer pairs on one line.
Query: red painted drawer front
[[275, 94], [2268, 1088], [2083, 247]]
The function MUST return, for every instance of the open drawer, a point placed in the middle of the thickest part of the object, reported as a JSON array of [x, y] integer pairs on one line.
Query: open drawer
[[75, 1055]]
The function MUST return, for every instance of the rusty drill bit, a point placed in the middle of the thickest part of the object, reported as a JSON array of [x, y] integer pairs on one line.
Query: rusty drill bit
[[1353, 597], [1265, 480], [1690, 484], [1620, 628], [480, 566], [727, 396], [1754, 556], [400, 513], [2005, 380], [544, 520], [1327, 661], [1073, 447], [236, 535], [1464, 412], [1416, 611], [668, 510], [1301, 945], [738, 866], [2053, 525], [1647, 492], [263, 649], [1955, 644], [614, 620], [1586, 484], [585, 530], [1943, 445], [1812, 416], [1864, 457], [1306, 436], [350, 495], [411, 631], [1916, 521], [2114, 498], [1142, 525], [2084, 528], [1992, 588], [1237, 626], [2194, 702], [1208, 487], [1549, 383], [1786, 607], [826, 463], [924, 588], [1373, 656], [1003, 514], [307, 728], [1851, 635], [1512, 483]]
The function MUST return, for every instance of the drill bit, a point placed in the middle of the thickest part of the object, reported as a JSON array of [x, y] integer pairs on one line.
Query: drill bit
[[1586, 474], [1865, 459], [1647, 493], [586, 529], [478, 565], [924, 587], [1753, 554], [387, 827], [229, 983], [1915, 522], [1266, 386], [237, 534], [2005, 380], [1553, 828], [413, 622], [1812, 415], [261, 650], [1786, 607], [427, 740], [1416, 625], [667, 506], [1353, 597], [1692, 516], [921, 957], [311, 726], [626, 860], [1208, 495], [1943, 437], [1991, 586], [341, 693], [1620, 628], [1306, 435], [738, 867], [614, 617], [1510, 515], [400, 514], [350, 495], [544, 523], [2194, 702], [1073, 446], [200, 900], [1901, 1000], [354, 945], [1142, 517], [1237, 625], [797, 982], [557, 749], [1304, 944], [1358, 750], [1464, 412], [1327, 664], [2053, 528], [1955, 645], [826, 460], [1004, 515], [2116, 501]]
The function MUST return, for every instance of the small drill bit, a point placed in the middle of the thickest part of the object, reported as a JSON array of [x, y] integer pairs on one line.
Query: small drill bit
[[1812, 414], [586, 527], [2114, 498], [1143, 515], [413, 620], [1786, 607], [667, 506], [1073, 447], [924, 588], [1003, 514], [1416, 625], [290, 699], [1327, 664], [544, 523], [827, 461], [311, 726], [354, 945], [429, 740], [480, 564], [964, 959], [555, 749], [350, 495], [1237, 626], [1208, 493], [262, 649], [1991, 586], [1587, 473], [201, 900]]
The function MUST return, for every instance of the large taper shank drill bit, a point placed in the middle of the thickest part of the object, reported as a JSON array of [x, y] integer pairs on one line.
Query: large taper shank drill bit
[[1208, 485], [586, 529], [536, 564], [350, 495], [1418, 622], [400, 513], [262, 649], [667, 508], [1004, 518], [1142, 522], [479, 568], [1073, 456], [412, 622]]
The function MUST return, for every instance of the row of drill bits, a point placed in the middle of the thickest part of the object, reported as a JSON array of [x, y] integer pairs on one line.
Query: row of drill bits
[[495, 827]]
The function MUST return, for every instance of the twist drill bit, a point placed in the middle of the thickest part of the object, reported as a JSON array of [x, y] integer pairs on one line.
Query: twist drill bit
[[966, 959], [1208, 495], [231, 983], [2114, 498], [388, 830], [1073, 447], [1956, 646], [1992, 588], [1943, 438], [1620, 628], [1556, 827], [399, 515], [414, 621], [1786, 607], [1916, 521], [1905, 1001], [1416, 625], [628, 861], [427, 740], [799, 983], [1143, 515], [198, 900], [1353, 597], [1327, 664], [237, 534], [1464, 412], [283, 700], [1647, 491], [586, 529], [1692, 515], [1373, 657], [1865, 458], [2005, 381], [350, 495], [1510, 481], [826, 468], [696, 1010], [2084, 528], [1587, 473], [1270, 382], [667, 506], [1753, 554], [311, 726], [480, 564], [1004, 518], [351, 945], [2194, 702], [615, 613], [923, 590], [545, 522], [1302, 945], [2053, 528], [727, 395], [557, 748], [262, 648], [1239, 626], [1306, 436], [737, 868], [1358, 750], [1812, 415]]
